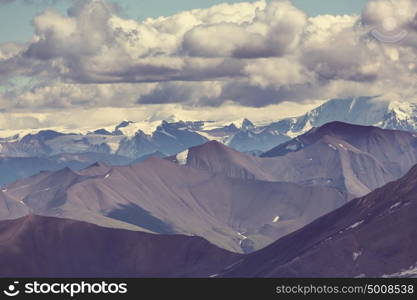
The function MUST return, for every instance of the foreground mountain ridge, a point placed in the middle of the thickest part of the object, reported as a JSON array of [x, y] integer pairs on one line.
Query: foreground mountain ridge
[[372, 236], [36, 246]]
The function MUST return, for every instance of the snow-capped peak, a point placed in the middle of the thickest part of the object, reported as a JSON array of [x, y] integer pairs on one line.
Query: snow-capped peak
[[402, 110], [129, 128]]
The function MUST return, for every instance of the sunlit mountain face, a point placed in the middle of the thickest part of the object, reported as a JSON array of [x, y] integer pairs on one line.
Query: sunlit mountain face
[[246, 139]]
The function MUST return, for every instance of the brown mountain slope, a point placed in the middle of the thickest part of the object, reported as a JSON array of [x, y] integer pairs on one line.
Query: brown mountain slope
[[372, 236], [35, 246], [354, 159], [163, 197]]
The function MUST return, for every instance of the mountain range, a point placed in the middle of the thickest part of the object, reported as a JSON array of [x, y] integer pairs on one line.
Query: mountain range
[[133, 140], [162, 197], [236, 201], [372, 236], [36, 246], [275, 200]]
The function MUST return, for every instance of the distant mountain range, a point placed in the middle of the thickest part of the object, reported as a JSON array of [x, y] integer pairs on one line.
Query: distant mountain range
[[162, 197], [127, 140], [130, 140]]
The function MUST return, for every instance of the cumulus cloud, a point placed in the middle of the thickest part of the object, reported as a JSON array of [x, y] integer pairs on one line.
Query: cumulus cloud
[[57, 95], [249, 54], [273, 31], [92, 44], [277, 72]]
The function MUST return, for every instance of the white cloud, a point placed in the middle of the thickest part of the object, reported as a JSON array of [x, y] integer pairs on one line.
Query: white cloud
[[58, 96], [249, 54], [273, 31], [277, 72]]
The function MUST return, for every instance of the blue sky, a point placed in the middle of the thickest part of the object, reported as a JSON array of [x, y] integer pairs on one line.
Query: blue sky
[[15, 18]]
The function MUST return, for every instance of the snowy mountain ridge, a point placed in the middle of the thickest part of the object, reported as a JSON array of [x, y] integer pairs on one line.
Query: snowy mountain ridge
[[136, 139]]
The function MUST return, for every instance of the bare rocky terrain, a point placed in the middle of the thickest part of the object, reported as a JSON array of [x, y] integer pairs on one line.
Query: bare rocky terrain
[[35, 246], [159, 196], [372, 236]]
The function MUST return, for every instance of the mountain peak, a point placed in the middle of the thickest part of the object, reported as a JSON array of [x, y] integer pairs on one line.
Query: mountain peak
[[247, 124], [121, 125], [124, 124], [44, 135], [211, 145], [356, 135], [102, 132], [340, 127]]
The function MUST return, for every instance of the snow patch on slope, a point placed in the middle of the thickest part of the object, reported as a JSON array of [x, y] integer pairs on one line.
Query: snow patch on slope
[[356, 225], [276, 220], [331, 146], [409, 273], [182, 157]]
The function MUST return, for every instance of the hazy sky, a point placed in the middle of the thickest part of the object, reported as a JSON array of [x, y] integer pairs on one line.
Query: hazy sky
[[92, 63]]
